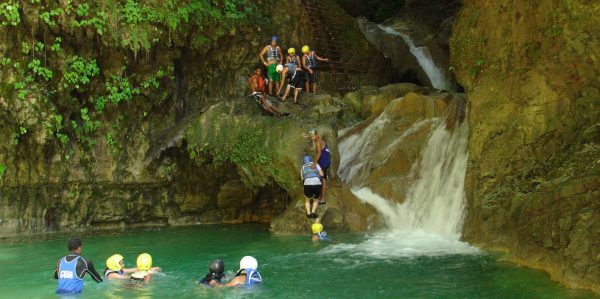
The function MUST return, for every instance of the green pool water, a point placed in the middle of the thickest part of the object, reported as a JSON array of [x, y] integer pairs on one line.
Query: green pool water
[[382, 265]]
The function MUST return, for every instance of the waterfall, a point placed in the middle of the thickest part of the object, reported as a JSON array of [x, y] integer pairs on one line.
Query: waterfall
[[435, 200], [429, 221], [434, 73]]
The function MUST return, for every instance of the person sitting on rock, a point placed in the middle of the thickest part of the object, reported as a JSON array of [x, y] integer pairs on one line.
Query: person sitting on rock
[[216, 268], [274, 57], [311, 176], [247, 275], [145, 269], [318, 233], [309, 63], [257, 88], [115, 268], [292, 57], [295, 78], [323, 159]]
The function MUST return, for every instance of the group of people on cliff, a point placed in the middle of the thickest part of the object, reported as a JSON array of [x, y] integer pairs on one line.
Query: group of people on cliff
[[295, 73], [71, 269]]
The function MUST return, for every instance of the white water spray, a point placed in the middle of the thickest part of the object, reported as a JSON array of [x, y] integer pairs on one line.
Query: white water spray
[[430, 219], [435, 202], [433, 72]]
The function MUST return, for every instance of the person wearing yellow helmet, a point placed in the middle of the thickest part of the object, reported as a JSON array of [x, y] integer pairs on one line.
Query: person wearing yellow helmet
[[318, 234], [273, 58], [309, 63], [292, 57], [144, 268], [115, 268]]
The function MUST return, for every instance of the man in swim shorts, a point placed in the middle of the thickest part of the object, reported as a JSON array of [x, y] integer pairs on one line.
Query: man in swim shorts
[[274, 56]]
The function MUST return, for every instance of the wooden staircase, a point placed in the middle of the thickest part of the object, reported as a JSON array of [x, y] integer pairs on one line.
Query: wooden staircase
[[326, 42]]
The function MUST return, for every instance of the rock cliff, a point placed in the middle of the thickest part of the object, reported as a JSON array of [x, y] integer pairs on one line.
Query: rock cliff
[[531, 72]]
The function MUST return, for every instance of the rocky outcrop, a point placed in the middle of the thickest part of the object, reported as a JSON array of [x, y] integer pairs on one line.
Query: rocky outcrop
[[531, 71], [95, 106]]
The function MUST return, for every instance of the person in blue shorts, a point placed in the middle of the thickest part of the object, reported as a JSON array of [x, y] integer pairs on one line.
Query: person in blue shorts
[[323, 159]]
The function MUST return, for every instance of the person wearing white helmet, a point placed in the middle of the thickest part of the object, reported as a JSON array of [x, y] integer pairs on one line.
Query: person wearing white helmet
[[247, 275], [295, 77]]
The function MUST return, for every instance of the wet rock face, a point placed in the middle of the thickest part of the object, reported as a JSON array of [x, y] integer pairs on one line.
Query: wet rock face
[[534, 153]]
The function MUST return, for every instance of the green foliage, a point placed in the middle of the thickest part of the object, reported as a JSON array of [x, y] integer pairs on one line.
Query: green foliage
[[119, 89], [48, 16], [238, 142], [79, 71], [2, 170], [9, 14], [56, 45], [36, 67]]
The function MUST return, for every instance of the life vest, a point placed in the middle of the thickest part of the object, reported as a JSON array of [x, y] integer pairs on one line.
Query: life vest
[[109, 272], [68, 281], [325, 159], [294, 60], [260, 82], [211, 276], [273, 53], [311, 60], [322, 235], [308, 172], [252, 277]]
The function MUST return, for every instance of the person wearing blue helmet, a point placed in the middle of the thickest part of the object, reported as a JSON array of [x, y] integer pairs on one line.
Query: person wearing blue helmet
[[311, 176], [274, 57]]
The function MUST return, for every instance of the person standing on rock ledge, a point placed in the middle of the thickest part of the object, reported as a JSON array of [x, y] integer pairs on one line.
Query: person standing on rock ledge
[[311, 178], [309, 63], [323, 159], [274, 58], [71, 268]]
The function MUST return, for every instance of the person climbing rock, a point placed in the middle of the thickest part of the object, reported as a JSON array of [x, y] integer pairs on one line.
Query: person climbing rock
[[296, 79], [309, 63], [216, 268], [71, 268], [318, 233], [274, 57], [292, 57], [247, 275], [257, 88], [311, 176], [144, 267], [115, 268], [323, 159]]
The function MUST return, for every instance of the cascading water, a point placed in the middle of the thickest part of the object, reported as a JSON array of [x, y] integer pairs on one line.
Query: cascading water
[[433, 72], [429, 220]]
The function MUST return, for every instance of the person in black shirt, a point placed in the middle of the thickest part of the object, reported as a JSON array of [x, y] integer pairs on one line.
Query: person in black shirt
[[71, 268]]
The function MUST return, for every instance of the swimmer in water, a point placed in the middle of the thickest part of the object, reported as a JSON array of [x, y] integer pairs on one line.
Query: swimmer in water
[[247, 274], [215, 273], [144, 267], [318, 233], [115, 268]]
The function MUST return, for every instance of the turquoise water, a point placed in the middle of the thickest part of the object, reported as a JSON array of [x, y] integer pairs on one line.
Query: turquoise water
[[386, 265]]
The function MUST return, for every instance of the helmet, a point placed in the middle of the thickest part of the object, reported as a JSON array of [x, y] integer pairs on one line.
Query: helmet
[[248, 262], [279, 68], [274, 38], [144, 262], [305, 49], [317, 228], [291, 51], [307, 159], [312, 131], [114, 262], [216, 266]]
